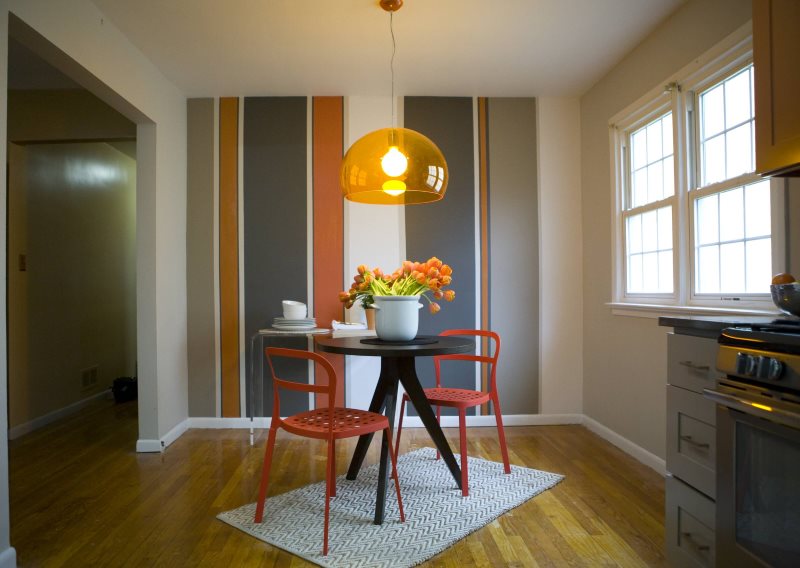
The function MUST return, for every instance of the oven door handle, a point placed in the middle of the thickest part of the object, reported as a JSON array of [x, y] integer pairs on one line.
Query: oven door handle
[[748, 406]]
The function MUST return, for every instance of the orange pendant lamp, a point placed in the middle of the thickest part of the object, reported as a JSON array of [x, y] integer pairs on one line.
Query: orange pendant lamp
[[393, 166]]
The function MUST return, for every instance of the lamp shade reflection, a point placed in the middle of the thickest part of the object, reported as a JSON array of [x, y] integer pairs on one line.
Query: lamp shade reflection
[[394, 166]]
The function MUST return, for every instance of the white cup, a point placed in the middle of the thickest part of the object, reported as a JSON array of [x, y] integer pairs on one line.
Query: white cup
[[294, 310]]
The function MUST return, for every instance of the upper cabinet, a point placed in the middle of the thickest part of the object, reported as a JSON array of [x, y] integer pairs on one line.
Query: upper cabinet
[[776, 61]]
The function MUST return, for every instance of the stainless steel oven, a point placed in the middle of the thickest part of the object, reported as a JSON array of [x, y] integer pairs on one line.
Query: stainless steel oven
[[758, 446]]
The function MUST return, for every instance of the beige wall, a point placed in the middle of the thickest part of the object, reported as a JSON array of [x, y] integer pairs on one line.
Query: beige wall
[[624, 361], [72, 213]]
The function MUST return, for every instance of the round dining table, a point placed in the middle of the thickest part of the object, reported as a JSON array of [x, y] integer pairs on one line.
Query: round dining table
[[398, 367]]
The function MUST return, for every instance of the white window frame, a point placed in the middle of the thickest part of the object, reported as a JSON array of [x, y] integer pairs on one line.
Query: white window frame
[[679, 94]]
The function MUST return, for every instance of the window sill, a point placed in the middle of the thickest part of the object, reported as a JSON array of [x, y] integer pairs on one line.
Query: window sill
[[658, 310]]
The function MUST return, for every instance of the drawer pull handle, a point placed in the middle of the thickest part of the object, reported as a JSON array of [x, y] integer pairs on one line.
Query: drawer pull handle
[[695, 443], [694, 366], [697, 546]]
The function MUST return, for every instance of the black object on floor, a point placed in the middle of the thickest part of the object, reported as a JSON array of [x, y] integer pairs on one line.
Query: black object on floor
[[124, 389]]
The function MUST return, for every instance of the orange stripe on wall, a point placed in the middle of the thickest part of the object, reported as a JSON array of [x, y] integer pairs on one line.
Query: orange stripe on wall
[[328, 222], [229, 253], [483, 192]]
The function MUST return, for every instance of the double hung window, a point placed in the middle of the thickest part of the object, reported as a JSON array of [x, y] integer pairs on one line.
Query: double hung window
[[695, 226]]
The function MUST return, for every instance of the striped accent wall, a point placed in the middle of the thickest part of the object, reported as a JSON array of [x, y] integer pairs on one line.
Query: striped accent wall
[[274, 147], [446, 228], [328, 210], [229, 253], [291, 245]]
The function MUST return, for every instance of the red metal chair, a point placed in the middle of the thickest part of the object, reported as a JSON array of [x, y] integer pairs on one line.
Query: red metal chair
[[329, 423], [461, 399]]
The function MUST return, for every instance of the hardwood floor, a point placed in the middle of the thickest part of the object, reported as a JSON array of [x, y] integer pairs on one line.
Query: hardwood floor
[[81, 496]]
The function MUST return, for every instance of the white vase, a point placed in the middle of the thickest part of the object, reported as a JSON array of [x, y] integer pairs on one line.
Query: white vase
[[396, 317]]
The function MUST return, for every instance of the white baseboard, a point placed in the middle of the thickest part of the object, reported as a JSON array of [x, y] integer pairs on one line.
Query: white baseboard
[[157, 446], [175, 433], [635, 451], [148, 446], [8, 558], [36, 423], [650, 460], [508, 420]]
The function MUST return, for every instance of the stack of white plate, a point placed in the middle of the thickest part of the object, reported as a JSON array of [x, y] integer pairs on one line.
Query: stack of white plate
[[301, 324]]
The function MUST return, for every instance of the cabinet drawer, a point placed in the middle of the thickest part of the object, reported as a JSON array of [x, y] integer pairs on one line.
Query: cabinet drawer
[[692, 439], [691, 362], [689, 526]]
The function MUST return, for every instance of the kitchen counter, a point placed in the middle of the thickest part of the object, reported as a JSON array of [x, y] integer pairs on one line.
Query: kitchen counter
[[709, 326]]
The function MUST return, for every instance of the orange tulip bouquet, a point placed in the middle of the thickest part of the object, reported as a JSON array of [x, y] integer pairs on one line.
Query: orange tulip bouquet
[[411, 279]]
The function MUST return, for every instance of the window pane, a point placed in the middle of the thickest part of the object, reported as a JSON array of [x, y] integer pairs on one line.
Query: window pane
[[712, 108], [757, 204], [731, 263], [714, 160], [726, 128], [655, 182], [737, 99], [739, 157], [706, 218], [739, 259], [708, 269], [669, 177], [640, 187], [649, 252], [666, 129], [731, 215], [639, 149], [759, 265], [650, 272], [649, 231], [665, 228], [634, 234], [652, 170], [635, 273], [665, 271], [654, 141]]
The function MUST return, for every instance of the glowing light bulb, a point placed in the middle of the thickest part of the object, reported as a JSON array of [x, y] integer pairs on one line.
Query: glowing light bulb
[[394, 162], [394, 187]]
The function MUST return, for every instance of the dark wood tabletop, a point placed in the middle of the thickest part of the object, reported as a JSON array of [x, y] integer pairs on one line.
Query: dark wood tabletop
[[354, 346]]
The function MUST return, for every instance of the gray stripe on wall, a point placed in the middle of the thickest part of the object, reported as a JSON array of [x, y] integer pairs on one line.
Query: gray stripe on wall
[[201, 345], [514, 250], [274, 161], [446, 228]]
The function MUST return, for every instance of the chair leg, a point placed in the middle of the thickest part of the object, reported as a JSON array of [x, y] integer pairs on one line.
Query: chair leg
[[393, 457], [439, 422], [262, 490], [333, 468], [328, 484], [400, 426], [462, 431], [501, 433]]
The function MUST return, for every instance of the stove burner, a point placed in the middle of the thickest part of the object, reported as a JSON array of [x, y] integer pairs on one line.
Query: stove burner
[[781, 325]]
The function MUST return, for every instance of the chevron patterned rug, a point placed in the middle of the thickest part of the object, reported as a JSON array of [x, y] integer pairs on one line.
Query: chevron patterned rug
[[437, 516]]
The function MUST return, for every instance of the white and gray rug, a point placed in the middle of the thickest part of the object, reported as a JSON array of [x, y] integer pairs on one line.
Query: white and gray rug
[[437, 515]]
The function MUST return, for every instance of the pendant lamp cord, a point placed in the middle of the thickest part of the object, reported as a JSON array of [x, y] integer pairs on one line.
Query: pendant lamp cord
[[391, 65]]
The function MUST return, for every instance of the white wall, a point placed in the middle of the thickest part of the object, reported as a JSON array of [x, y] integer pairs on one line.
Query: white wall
[[112, 68], [624, 358], [560, 256], [373, 235]]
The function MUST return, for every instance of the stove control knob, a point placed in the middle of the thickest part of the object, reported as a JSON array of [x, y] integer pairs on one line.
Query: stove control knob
[[757, 366], [744, 364], [775, 369]]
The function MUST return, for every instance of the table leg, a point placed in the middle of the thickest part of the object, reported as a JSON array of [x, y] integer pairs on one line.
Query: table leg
[[383, 470], [410, 382], [387, 382]]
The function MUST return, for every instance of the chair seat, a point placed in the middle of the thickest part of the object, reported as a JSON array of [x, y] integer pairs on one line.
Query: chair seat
[[456, 397], [347, 422]]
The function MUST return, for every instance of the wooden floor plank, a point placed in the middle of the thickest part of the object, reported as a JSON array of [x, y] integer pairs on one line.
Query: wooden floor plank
[[81, 496]]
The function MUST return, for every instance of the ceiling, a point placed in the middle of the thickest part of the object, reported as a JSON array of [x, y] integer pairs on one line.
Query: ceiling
[[343, 47]]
